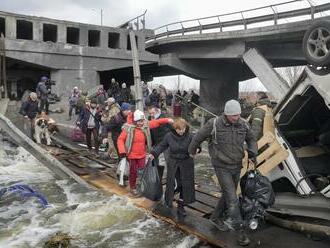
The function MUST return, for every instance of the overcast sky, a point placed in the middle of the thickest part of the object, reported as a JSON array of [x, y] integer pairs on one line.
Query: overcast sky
[[116, 12]]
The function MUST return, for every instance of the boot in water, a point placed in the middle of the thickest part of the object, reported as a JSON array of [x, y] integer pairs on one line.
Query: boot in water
[[181, 211]]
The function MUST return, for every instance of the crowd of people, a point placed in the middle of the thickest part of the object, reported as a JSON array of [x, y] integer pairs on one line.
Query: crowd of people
[[110, 118]]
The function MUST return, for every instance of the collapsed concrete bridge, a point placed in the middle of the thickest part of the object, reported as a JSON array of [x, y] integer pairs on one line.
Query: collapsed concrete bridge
[[215, 50], [70, 53]]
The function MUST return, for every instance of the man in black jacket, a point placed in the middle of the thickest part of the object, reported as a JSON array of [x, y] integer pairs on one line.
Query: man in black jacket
[[157, 135], [228, 133]]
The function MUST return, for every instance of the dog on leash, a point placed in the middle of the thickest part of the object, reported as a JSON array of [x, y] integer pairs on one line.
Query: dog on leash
[[43, 126]]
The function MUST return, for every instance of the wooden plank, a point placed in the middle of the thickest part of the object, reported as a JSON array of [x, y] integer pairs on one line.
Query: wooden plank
[[104, 163], [191, 224], [206, 199], [267, 138], [199, 206], [271, 150], [266, 167], [198, 226], [60, 171]]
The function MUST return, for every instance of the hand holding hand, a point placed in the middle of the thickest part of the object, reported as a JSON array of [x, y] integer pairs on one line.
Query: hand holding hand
[[151, 157]]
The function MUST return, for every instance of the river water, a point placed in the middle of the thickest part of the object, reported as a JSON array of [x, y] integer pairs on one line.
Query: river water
[[90, 217]]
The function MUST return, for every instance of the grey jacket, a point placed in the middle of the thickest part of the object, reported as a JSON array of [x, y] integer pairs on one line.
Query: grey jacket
[[226, 142], [42, 91]]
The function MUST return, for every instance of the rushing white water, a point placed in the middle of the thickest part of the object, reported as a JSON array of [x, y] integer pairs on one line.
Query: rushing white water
[[91, 218]]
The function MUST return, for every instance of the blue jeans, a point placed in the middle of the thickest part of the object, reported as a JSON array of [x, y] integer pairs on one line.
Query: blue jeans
[[228, 180]]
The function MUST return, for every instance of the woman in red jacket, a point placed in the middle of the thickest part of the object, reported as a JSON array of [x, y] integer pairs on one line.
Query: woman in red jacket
[[134, 142]]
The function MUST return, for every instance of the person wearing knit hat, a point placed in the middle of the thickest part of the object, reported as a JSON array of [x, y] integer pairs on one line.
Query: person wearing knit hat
[[228, 133], [126, 106], [90, 122], [116, 123], [134, 143], [112, 108]]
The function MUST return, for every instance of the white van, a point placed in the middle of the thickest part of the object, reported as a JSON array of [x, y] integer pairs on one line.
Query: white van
[[303, 129]]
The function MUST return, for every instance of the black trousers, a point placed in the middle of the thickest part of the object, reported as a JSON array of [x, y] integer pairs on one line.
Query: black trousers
[[44, 105], [95, 133]]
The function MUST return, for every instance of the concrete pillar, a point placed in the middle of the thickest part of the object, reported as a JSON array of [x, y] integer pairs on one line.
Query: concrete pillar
[[61, 33], [37, 31], [142, 42], [83, 36], [104, 39], [11, 27], [214, 92], [123, 40], [67, 79]]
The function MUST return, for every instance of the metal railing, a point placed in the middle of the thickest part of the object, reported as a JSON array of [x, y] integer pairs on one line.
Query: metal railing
[[139, 22], [187, 104], [244, 20]]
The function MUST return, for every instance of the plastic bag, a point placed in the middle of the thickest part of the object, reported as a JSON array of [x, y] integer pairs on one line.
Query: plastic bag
[[122, 171], [257, 195], [150, 185], [77, 135], [257, 187]]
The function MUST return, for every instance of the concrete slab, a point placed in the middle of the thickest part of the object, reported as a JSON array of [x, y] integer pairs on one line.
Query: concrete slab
[[3, 105]]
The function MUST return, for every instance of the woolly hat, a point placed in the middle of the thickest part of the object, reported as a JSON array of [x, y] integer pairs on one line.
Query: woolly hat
[[110, 100], [33, 96], [232, 107], [125, 106], [138, 115]]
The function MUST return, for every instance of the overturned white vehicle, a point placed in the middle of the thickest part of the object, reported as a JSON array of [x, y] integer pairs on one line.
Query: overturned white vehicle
[[295, 154]]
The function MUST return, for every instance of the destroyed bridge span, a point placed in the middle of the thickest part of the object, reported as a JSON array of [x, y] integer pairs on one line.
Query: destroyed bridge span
[[220, 50], [217, 49]]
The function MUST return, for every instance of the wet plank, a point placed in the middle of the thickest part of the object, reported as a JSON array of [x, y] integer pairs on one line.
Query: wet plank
[[210, 201], [202, 208]]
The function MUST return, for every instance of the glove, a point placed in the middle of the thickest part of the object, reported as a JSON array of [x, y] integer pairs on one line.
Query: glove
[[122, 155]]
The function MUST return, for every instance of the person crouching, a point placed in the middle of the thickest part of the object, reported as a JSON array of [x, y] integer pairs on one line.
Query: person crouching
[[180, 167], [135, 141]]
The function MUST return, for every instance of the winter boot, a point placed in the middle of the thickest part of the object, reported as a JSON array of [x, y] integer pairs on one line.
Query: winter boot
[[181, 211], [219, 224], [242, 238]]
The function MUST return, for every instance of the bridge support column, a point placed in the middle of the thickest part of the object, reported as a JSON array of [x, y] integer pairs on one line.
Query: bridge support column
[[214, 92], [67, 79], [10, 27]]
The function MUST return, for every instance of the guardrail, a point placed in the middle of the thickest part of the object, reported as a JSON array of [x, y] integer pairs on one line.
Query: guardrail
[[137, 21], [244, 20]]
